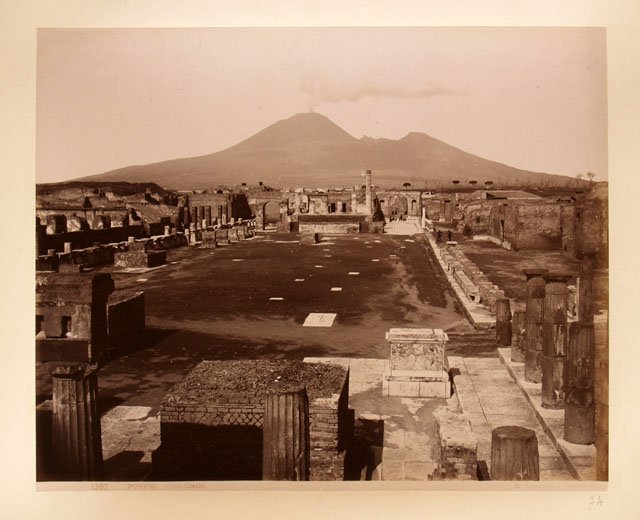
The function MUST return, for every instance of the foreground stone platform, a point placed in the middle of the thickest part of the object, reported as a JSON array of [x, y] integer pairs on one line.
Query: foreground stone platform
[[211, 422]]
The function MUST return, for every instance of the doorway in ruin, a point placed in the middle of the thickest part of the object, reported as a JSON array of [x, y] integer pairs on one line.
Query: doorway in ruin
[[398, 207], [271, 214]]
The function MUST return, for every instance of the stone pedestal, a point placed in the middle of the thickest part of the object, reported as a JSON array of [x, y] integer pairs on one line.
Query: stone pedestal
[[417, 364], [77, 441]]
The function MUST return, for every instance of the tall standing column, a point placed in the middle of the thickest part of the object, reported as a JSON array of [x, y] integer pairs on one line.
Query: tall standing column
[[533, 327], [77, 440], [579, 408], [367, 185], [554, 339], [354, 200], [207, 216], [585, 290], [296, 202]]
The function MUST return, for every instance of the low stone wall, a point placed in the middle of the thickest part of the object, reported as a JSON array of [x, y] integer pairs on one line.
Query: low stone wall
[[458, 449], [211, 422], [474, 283], [140, 259], [84, 239], [309, 237], [330, 228]]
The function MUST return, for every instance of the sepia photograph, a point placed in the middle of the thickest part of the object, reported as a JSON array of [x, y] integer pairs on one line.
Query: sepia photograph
[[326, 254]]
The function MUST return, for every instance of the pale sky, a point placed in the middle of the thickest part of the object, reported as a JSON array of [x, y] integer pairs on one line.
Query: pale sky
[[531, 98]]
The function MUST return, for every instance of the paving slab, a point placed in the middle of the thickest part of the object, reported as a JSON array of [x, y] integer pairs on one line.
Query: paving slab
[[580, 459], [501, 406]]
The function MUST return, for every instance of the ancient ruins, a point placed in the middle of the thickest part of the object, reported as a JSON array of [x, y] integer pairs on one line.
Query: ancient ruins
[[351, 333]]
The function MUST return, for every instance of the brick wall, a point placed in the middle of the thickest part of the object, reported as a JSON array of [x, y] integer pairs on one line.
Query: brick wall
[[458, 449], [211, 431]]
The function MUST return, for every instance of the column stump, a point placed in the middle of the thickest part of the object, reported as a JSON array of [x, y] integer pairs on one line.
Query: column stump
[[285, 433], [514, 454]]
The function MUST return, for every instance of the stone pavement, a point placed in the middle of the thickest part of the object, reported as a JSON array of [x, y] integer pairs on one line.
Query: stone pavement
[[406, 445], [580, 459], [490, 397]]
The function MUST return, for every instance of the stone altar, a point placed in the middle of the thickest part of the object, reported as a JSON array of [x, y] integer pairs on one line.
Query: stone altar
[[417, 364]]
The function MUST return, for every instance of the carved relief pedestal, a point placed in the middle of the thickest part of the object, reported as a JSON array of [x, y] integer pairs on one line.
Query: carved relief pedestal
[[417, 364]]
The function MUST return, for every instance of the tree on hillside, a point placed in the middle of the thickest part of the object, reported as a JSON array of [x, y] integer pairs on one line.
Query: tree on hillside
[[488, 183], [591, 175], [473, 183], [578, 179], [407, 185], [456, 182]]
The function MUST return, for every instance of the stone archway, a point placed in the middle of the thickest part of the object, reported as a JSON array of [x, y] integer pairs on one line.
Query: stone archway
[[271, 214], [398, 206]]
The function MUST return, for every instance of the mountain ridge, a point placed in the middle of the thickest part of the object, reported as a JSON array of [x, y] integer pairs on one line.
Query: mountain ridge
[[308, 149]]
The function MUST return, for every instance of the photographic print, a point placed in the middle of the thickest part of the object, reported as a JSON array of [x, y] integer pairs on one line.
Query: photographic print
[[322, 254]]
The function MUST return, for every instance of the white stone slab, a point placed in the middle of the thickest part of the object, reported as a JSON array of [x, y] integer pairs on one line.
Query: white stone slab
[[276, 299], [318, 266], [319, 319], [141, 279], [353, 273], [377, 241], [327, 256], [326, 249], [237, 260], [299, 280], [336, 289], [375, 259], [408, 240]]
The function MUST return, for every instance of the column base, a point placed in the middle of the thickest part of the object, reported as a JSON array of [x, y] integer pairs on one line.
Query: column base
[[427, 384]]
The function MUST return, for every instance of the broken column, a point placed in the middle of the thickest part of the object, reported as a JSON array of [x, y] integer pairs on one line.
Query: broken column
[[207, 216], [285, 434], [585, 290], [368, 192], [194, 217], [518, 329], [579, 408], [167, 231], [533, 330], [503, 322], [77, 441], [296, 201], [601, 331], [417, 364], [514, 454], [67, 247], [554, 339]]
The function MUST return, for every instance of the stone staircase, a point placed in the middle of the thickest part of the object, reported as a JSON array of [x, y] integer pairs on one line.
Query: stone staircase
[[402, 227]]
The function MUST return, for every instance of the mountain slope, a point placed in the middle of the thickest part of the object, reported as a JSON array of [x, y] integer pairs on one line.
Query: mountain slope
[[310, 150]]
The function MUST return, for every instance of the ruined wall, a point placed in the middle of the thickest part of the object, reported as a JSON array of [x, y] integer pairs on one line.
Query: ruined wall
[[71, 316], [591, 224], [527, 225], [84, 239], [125, 321], [475, 217]]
